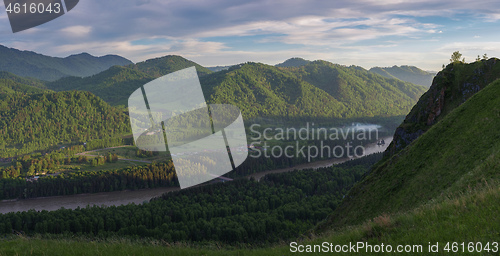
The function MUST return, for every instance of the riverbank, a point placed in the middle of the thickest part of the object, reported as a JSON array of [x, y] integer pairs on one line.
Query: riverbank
[[124, 197]]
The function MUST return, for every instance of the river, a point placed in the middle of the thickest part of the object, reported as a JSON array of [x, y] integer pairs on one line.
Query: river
[[139, 196]]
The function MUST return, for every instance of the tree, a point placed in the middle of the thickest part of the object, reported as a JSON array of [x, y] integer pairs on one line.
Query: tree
[[31, 170], [456, 57], [485, 56]]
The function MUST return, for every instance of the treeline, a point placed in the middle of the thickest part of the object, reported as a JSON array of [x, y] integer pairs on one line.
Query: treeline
[[36, 164], [262, 163], [317, 89], [280, 206], [138, 177], [38, 122]]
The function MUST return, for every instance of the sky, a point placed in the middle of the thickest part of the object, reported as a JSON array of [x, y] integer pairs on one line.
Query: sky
[[365, 33]]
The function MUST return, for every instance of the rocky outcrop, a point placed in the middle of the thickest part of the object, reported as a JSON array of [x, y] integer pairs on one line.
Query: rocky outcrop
[[450, 88]]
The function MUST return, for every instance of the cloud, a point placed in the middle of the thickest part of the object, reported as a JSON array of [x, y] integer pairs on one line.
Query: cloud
[[77, 31], [473, 47], [315, 29]]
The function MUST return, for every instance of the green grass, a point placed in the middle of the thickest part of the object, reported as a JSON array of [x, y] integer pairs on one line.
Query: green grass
[[467, 217], [110, 166], [459, 152], [127, 152]]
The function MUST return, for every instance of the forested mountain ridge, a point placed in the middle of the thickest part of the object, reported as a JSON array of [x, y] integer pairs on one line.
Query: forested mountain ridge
[[164, 65], [32, 122], [450, 88], [457, 154], [262, 90], [113, 85], [10, 83], [23, 80], [406, 73], [117, 83], [293, 62], [31, 64], [318, 89], [358, 88]]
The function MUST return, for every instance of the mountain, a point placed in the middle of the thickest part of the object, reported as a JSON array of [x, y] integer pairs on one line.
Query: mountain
[[450, 88], [456, 155], [406, 73], [319, 89], [32, 122], [10, 83], [361, 90], [31, 64], [167, 64], [293, 62], [117, 83], [218, 68], [113, 85]]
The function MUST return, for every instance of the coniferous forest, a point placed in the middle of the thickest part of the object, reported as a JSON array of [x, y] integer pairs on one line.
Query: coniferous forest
[[39, 122], [279, 206]]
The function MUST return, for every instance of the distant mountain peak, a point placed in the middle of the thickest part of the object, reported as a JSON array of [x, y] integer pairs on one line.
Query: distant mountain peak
[[293, 62], [406, 73], [167, 64], [39, 66], [81, 54]]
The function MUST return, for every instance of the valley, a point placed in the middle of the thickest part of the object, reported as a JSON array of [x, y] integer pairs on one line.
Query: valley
[[429, 172], [140, 196]]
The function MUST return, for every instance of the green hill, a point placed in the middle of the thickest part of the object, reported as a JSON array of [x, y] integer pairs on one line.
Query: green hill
[[167, 64], [359, 90], [34, 122], [319, 89], [450, 88], [10, 83], [31, 64], [453, 156], [218, 68], [113, 85], [293, 62], [409, 74], [117, 83]]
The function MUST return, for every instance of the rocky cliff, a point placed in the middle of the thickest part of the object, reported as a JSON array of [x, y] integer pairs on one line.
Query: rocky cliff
[[450, 88]]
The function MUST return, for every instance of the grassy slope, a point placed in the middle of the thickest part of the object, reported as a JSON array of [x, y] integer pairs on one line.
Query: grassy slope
[[471, 217], [456, 153], [450, 88]]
